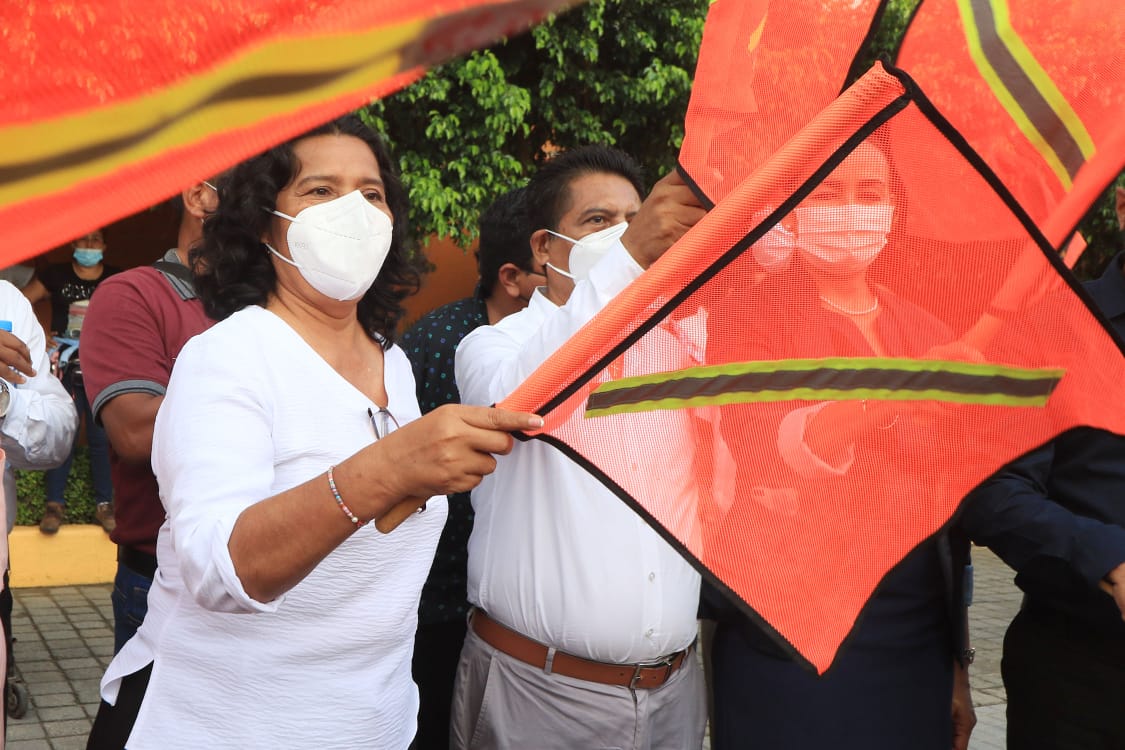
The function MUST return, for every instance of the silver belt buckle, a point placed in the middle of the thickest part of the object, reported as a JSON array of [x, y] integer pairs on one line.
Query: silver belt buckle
[[665, 662]]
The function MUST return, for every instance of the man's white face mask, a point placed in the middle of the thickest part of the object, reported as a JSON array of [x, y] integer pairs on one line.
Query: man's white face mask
[[589, 250], [339, 246]]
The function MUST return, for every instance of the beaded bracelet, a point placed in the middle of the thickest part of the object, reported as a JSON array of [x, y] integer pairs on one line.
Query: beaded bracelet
[[340, 501]]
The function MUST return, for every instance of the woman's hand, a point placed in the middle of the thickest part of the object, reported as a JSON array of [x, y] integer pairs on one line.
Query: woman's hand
[[451, 449], [275, 543], [964, 715], [457, 466], [448, 450], [958, 351]]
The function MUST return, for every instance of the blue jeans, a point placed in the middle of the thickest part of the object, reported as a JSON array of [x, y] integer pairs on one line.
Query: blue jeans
[[130, 604], [99, 456]]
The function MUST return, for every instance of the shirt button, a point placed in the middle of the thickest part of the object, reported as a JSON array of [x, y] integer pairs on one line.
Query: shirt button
[[652, 576], [648, 633]]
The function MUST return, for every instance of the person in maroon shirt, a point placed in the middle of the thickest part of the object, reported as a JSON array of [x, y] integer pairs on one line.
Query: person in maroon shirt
[[135, 327]]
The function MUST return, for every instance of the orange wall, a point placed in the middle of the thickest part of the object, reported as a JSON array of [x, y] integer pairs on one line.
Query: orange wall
[[454, 276]]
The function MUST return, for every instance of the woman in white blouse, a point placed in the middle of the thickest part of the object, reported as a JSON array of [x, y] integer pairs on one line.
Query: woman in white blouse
[[279, 617]]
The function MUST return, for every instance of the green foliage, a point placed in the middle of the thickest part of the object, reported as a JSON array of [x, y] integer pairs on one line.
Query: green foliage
[[620, 73], [1101, 231], [451, 132], [610, 71], [79, 493], [887, 37]]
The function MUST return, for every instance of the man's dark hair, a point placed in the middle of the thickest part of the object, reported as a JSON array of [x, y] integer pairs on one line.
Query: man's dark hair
[[504, 238], [548, 192], [233, 268]]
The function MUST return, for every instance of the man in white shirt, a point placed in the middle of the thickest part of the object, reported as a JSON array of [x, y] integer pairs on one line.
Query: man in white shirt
[[37, 415], [584, 618]]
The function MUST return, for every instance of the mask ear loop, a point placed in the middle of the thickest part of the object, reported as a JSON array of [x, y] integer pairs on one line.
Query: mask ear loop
[[275, 212], [270, 249], [562, 237], [560, 272], [555, 268]]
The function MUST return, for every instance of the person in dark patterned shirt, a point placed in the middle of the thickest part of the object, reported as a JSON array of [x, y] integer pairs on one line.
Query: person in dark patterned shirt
[[508, 277]]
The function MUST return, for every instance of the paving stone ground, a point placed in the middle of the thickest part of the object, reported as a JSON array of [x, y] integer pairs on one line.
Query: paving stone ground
[[996, 601], [64, 641]]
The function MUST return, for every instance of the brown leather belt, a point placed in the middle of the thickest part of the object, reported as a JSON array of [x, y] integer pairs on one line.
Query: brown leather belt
[[508, 641]]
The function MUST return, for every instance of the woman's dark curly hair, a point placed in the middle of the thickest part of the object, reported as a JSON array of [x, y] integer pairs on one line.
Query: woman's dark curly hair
[[233, 269]]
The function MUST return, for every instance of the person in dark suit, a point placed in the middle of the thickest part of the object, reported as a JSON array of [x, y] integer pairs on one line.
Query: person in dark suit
[[1057, 516]]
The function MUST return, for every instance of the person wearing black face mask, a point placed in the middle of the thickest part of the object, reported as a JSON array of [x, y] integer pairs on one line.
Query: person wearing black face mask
[[507, 280], [69, 287]]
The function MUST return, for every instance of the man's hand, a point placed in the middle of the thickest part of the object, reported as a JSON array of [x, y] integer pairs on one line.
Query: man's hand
[[1114, 585], [14, 358], [964, 715], [666, 214]]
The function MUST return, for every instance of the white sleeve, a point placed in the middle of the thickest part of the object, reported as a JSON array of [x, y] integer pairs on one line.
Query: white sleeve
[[38, 430], [213, 456], [492, 361]]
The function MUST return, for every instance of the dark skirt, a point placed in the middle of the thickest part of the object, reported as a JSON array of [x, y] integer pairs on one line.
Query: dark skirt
[[890, 687]]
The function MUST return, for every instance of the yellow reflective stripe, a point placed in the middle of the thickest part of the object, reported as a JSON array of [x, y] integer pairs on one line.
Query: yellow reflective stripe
[[1043, 128], [1007, 101], [832, 379], [756, 36], [819, 394], [188, 112], [1041, 79], [981, 369]]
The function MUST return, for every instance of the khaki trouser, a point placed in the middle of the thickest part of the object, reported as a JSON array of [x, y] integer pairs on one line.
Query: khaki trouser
[[501, 703]]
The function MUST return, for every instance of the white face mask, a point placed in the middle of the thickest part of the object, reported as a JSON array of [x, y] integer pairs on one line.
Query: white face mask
[[339, 246], [589, 250], [843, 239], [774, 249]]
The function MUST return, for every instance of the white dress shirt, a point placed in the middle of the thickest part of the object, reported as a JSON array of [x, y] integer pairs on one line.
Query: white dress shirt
[[251, 411], [553, 553], [38, 429]]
